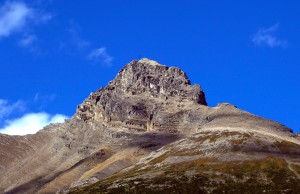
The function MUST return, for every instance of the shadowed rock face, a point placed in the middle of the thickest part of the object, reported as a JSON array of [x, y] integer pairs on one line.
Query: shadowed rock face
[[146, 131]]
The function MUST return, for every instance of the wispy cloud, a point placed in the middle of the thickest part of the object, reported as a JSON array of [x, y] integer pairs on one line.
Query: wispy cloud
[[28, 41], [266, 37], [31, 123], [100, 55], [13, 16], [18, 17], [7, 108], [75, 43], [74, 31], [43, 100], [40, 97], [43, 17]]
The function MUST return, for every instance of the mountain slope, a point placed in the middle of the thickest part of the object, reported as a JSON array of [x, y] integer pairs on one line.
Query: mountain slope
[[238, 154], [150, 130]]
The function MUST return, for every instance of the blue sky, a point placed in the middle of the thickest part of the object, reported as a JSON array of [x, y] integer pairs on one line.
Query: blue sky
[[54, 53]]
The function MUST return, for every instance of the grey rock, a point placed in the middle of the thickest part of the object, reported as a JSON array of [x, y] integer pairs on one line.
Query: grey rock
[[137, 97]]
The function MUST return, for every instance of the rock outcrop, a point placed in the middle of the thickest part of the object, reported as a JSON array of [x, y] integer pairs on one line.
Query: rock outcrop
[[149, 130], [138, 96]]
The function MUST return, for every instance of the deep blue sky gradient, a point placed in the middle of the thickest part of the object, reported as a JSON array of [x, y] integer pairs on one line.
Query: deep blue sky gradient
[[210, 40]]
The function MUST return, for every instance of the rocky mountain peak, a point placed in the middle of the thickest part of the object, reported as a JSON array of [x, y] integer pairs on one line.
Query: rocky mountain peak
[[139, 94], [152, 79]]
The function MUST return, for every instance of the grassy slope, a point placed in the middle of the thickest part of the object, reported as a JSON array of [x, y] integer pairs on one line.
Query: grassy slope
[[269, 174]]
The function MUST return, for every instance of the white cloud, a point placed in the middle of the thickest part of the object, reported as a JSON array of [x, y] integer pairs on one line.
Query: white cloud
[[31, 123], [266, 37], [7, 108], [16, 16], [13, 16], [100, 54]]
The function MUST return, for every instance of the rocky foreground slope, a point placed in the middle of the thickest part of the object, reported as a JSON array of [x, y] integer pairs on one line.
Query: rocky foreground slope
[[151, 131]]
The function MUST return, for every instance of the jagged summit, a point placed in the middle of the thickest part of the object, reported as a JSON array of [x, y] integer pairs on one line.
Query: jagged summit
[[152, 79], [137, 92]]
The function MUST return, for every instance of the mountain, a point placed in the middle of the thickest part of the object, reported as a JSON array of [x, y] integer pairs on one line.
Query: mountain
[[150, 131]]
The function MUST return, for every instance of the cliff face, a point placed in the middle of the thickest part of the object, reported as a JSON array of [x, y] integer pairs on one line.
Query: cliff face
[[150, 130], [140, 95]]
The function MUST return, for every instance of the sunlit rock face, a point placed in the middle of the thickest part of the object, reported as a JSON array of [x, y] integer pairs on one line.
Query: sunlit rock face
[[140, 95], [152, 79]]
